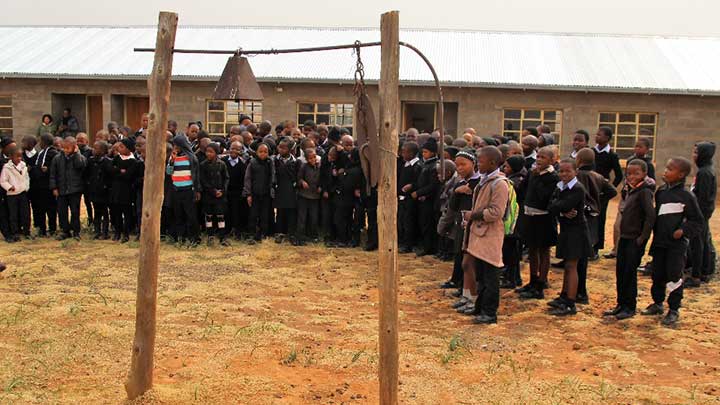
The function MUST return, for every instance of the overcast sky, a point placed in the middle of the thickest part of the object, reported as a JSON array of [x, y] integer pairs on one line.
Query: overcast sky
[[664, 17]]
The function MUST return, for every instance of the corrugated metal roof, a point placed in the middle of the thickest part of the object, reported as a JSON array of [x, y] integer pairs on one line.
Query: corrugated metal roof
[[461, 58]]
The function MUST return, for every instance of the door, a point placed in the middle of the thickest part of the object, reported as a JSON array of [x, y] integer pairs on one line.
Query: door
[[420, 116], [135, 107], [94, 115]]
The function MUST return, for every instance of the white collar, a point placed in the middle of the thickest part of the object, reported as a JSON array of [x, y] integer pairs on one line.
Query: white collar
[[485, 177], [532, 155], [31, 153], [232, 161], [562, 186], [128, 157], [573, 154], [606, 149], [411, 162]]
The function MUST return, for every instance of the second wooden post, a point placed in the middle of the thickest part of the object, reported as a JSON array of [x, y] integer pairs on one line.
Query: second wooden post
[[387, 207]]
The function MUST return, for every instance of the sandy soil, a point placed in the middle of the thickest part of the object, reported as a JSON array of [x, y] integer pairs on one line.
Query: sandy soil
[[278, 324]]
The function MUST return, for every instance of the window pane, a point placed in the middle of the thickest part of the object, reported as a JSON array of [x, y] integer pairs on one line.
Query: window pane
[[216, 128], [216, 116], [647, 118], [533, 124], [323, 119], [6, 132], [216, 105], [624, 153], [323, 108], [627, 118], [5, 111], [512, 114], [532, 114], [5, 100], [511, 134], [625, 142], [232, 117], [5, 122], [551, 125], [305, 117], [625, 129], [303, 107], [647, 130], [512, 125], [550, 115], [607, 117]]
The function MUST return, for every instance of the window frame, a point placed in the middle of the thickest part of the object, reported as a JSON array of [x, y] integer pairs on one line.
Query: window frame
[[8, 130], [253, 109], [333, 113], [638, 126], [557, 133]]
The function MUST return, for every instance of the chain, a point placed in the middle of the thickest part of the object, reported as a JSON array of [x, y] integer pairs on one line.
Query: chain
[[359, 69]]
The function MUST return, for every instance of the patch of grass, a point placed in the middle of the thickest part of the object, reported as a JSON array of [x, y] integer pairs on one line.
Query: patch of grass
[[456, 348], [290, 358]]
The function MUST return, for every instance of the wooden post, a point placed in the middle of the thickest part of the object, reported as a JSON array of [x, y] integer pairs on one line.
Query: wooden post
[[140, 377], [387, 206]]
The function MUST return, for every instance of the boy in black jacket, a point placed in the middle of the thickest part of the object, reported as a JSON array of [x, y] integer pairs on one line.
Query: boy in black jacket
[[408, 174], [606, 162], [705, 189], [309, 192], [44, 203], [66, 183], [678, 219], [237, 213], [97, 187], [259, 190], [329, 183], [635, 227], [122, 197], [214, 181], [428, 187], [286, 170], [350, 184]]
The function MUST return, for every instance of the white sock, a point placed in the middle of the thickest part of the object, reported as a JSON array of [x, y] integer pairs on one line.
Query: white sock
[[466, 293], [473, 298]]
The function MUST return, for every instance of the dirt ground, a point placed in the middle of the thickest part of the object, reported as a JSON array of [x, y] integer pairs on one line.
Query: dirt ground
[[285, 325]]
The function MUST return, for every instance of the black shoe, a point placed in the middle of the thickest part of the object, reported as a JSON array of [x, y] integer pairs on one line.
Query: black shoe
[[532, 294], [116, 236], [457, 293], [42, 234], [470, 310], [582, 299], [62, 236], [610, 255], [526, 287], [105, 236], [251, 241], [124, 239], [508, 285], [210, 241], [224, 242], [97, 236], [193, 243], [405, 250], [545, 285], [558, 302], [330, 244], [565, 310], [354, 244], [559, 265], [625, 314], [671, 318], [653, 309], [483, 319], [279, 239], [614, 311], [692, 282], [594, 257], [459, 303], [447, 285]]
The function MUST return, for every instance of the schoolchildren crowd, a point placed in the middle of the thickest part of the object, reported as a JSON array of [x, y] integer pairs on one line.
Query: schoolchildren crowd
[[497, 200]]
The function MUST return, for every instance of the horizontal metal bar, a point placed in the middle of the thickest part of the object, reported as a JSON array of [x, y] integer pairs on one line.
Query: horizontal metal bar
[[241, 51]]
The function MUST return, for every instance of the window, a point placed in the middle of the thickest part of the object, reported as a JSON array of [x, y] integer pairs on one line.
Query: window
[[515, 120], [326, 113], [627, 128], [221, 115], [6, 124]]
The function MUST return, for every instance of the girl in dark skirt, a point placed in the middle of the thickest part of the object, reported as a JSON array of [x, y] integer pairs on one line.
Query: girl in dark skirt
[[214, 181], [537, 227], [568, 204]]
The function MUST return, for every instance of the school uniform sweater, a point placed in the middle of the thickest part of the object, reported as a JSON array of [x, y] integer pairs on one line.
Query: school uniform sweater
[[539, 189], [214, 177], [236, 175], [15, 176], [597, 188], [259, 178], [428, 185], [40, 179], [122, 190], [311, 175], [286, 172], [97, 177], [66, 173], [352, 179], [705, 185], [638, 214], [675, 208], [408, 173], [606, 162]]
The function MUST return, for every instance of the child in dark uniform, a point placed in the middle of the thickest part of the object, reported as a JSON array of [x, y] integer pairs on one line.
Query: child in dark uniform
[[122, 176], [408, 174], [259, 191], [237, 213], [214, 180], [568, 204], [705, 189], [286, 169], [98, 171], [677, 219], [350, 184], [537, 226], [427, 190], [328, 203], [515, 171]]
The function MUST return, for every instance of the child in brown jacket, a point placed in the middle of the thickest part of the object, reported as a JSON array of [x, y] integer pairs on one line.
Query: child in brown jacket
[[485, 232]]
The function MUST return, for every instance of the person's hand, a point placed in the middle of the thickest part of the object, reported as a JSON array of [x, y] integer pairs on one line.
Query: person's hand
[[423, 198], [173, 155], [464, 189], [414, 195], [678, 234], [218, 194], [326, 195], [570, 214], [319, 190], [12, 188], [406, 188], [357, 193], [77, 148], [197, 197], [43, 169], [341, 172], [249, 201], [122, 171], [304, 184], [56, 193]]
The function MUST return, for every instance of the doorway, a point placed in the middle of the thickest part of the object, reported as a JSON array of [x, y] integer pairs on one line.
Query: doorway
[[94, 115], [135, 107], [421, 116], [75, 102]]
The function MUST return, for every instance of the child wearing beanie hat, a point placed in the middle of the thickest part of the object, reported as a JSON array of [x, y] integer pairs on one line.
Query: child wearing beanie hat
[[427, 190]]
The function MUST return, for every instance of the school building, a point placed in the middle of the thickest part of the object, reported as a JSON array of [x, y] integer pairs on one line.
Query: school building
[[664, 88]]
